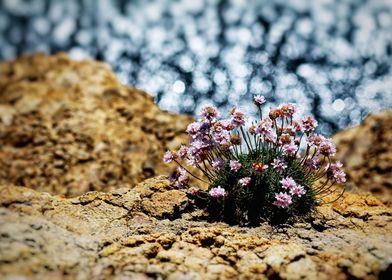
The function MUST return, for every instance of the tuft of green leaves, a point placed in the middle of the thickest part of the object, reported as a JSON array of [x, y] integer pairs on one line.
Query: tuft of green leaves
[[251, 204]]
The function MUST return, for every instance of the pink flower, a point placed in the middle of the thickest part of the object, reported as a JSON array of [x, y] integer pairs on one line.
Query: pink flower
[[181, 171], [227, 124], [283, 200], [264, 128], [237, 117], [193, 161], [193, 129], [182, 182], [324, 145], [197, 146], [284, 139], [339, 176], [259, 100], [222, 136], [169, 156], [245, 181], [270, 137], [336, 165], [279, 164], [313, 163], [218, 163], [315, 139], [182, 152], [217, 192], [291, 130], [287, 110], [327, 148], [297, 126], [235, 165], [309, 124], [179, 177], [291, 109], [290, 149], [288, 183], [297, 190], [209, 112], [335, 172], [193, 191]]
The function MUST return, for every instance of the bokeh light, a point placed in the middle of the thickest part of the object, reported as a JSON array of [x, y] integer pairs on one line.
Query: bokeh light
[[333, 57]]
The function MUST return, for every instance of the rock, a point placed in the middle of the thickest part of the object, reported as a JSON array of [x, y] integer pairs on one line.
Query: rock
[[167, 203], [114, 235], [68, 127], [366, 152]]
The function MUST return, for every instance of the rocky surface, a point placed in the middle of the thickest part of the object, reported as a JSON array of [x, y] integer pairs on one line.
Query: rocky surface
[[67, 127], [152, 232], [366, 152]]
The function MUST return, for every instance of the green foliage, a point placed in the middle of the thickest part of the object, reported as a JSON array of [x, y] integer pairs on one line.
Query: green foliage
[[251, 204]]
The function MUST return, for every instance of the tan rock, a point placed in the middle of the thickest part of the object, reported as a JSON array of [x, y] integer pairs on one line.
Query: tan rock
[[107, 235], [366, 153], [109, 250], [68, 127], [161, 204]]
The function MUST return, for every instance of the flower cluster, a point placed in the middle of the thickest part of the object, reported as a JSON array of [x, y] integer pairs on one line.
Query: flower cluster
[[217, 192], [254, 172], [284, 199]]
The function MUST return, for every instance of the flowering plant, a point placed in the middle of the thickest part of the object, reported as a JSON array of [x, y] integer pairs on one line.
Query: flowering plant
[[275, 170]]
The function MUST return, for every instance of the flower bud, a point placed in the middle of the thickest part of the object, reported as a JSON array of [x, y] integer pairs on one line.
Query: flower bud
[[272, 114], [252, 130], [235, 139], [226, 146], [259, 167]]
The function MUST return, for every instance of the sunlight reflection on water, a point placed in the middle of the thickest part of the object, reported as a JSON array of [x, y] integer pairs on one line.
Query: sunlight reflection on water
[[331, 57]]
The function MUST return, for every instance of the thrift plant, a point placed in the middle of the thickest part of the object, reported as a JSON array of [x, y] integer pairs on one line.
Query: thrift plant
[[275, 170]]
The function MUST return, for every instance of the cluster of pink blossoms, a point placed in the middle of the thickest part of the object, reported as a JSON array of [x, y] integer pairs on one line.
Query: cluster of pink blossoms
[[245, 181], [279, 165], [235, 165], [206, 135], [217, 192], [216, 146], [179, 177], [284, 200]]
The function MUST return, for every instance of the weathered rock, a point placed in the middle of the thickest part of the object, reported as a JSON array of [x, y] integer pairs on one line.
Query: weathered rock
[[69, 127], [116, 234], [366, 152]]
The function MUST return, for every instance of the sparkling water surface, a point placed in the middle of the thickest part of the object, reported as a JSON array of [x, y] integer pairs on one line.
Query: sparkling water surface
[[332, 58]]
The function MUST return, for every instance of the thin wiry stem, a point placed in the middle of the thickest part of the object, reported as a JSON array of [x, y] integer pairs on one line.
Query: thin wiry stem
[[244, 136], [340, 195], [193, 175]]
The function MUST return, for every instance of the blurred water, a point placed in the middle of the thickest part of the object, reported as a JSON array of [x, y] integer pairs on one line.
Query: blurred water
[[333, 58]]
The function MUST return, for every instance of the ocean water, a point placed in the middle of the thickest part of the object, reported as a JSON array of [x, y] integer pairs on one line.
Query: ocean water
[[332, 58]]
